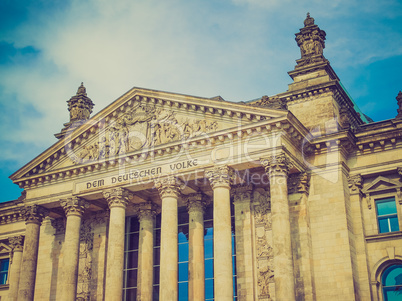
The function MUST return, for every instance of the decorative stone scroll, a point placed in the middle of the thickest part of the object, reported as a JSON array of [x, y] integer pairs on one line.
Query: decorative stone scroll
[[16, 243], [117, 197], [34, 213], [242, 193], [355, 183], [146, 210], [399, 110], [197, 202], [277, 165], [74, 205], [59, 224], [299, 183], [220, 176], [169, 186]]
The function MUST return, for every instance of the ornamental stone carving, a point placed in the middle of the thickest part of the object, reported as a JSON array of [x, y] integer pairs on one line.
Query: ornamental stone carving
[[220, 176], [146, 211], [117, 197], [80, 107], [196, 202], [399, 171], [277, 165], [59, 224], [143, 125], [399, 110], [355, 183], [299, 183], [242, 193], [16, 243], [74, 206], [169, 186], [34, 213], [311, 40]]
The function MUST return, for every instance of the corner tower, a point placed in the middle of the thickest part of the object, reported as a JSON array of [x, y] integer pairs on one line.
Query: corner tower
[[316, 96]]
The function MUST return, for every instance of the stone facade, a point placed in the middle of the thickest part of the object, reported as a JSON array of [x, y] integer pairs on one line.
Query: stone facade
[[294, 182]]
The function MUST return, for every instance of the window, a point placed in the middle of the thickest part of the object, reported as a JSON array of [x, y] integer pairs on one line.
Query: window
[[392, 283], [131, 259], [4, 265], [387, 215]]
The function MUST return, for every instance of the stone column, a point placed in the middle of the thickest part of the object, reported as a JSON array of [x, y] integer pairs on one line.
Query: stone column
[[355, 184], [16, 244], [244, 242], [169, 190], [277, 168], [117, 199], [146, 215], [196, 270], [74, 208], [221, 178], [34, 215]]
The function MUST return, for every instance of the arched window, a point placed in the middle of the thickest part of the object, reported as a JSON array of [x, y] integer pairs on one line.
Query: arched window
[[392, 283]]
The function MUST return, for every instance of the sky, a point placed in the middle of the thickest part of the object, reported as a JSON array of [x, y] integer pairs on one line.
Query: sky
[[238, 49]]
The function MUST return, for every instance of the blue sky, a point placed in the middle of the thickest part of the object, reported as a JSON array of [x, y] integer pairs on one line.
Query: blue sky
[[239, 49]]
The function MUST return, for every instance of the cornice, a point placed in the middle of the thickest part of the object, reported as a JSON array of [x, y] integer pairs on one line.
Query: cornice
[[287, 124]]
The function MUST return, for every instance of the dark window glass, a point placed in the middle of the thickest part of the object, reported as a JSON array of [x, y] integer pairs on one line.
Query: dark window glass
[[392, 283], [387, 215], [183, 291], [4, 265]]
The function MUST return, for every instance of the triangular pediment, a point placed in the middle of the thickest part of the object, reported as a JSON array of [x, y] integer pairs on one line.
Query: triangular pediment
[[381, 183], [4, 248], [142, 119]]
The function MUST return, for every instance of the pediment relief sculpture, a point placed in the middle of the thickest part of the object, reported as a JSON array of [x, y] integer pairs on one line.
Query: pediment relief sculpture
[[145, 125]]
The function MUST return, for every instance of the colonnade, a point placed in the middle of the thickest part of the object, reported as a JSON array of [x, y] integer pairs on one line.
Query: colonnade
[[169, 188]]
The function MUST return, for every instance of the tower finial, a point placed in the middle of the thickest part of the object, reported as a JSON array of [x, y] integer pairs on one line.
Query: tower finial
[[311, 40], [399, 100], [80, 107], [309, 21]]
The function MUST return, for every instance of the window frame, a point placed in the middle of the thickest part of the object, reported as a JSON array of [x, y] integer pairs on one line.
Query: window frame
[[3, 257], [381, 198]]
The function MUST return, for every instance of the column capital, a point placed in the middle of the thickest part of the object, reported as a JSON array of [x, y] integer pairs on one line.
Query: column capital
[[220, 176], [117, 197], [169, 186], [196, 202], [74, 206], [299, 183], [242, 193], [16, 243], [34, 214], [146, 210], [355, 183], [277, 165]]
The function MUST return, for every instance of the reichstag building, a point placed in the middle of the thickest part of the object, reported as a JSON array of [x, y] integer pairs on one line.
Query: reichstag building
[[165, 196]]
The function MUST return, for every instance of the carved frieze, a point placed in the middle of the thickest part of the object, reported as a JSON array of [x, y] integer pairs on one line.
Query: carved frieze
[[144, 125], [220, 176]]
